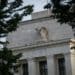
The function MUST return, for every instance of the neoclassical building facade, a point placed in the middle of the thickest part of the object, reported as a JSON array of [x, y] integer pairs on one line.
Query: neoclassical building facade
[[46, 46]]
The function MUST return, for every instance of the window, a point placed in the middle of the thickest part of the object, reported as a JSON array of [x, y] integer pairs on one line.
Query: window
[[61, 66], [25, 69], [43, 67]]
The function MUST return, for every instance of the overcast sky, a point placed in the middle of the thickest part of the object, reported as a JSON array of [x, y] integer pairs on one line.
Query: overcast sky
[[38, 6]]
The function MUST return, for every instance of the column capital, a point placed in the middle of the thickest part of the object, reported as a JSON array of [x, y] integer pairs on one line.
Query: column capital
[[68, 53], [50, 56], [72, 52], [31, 59]]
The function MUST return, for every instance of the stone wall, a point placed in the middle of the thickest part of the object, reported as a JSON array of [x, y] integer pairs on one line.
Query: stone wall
[[26, 32]]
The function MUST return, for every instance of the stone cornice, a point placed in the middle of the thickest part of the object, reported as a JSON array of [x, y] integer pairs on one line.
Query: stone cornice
[[35, 20], [42, 44]]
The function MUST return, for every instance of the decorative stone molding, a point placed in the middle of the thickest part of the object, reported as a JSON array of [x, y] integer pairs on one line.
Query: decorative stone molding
[[43, 32], [72, 44], [49, 56], [41, 43], [31, 59]]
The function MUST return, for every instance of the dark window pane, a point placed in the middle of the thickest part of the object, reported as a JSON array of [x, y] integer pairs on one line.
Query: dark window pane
[[25, 69], [43, 67], [61, 65]]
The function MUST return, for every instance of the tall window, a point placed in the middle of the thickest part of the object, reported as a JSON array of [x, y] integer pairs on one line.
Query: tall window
[[25, 69], [61, 66], [43, 68]]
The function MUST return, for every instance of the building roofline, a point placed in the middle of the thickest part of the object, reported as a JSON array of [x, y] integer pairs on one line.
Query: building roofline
[[34, 20]]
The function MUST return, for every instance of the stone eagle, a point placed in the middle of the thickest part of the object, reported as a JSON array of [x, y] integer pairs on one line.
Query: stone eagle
[[43, 32]]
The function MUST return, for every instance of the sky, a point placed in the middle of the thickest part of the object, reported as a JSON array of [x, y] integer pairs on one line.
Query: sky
[[38, 6]]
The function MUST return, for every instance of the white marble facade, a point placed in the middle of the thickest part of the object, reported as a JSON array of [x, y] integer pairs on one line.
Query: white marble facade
[[52, 47]]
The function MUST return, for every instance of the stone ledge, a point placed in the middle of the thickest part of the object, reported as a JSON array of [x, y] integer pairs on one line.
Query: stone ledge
[[41, 44]]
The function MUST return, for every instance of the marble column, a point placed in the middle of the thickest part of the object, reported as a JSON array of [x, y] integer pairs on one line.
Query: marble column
[[32, 67], [73, 61], [50, 65], [67, 64]]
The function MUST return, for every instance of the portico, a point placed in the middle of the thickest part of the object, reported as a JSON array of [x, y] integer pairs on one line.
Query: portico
[[46, 51], [46, 60]]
